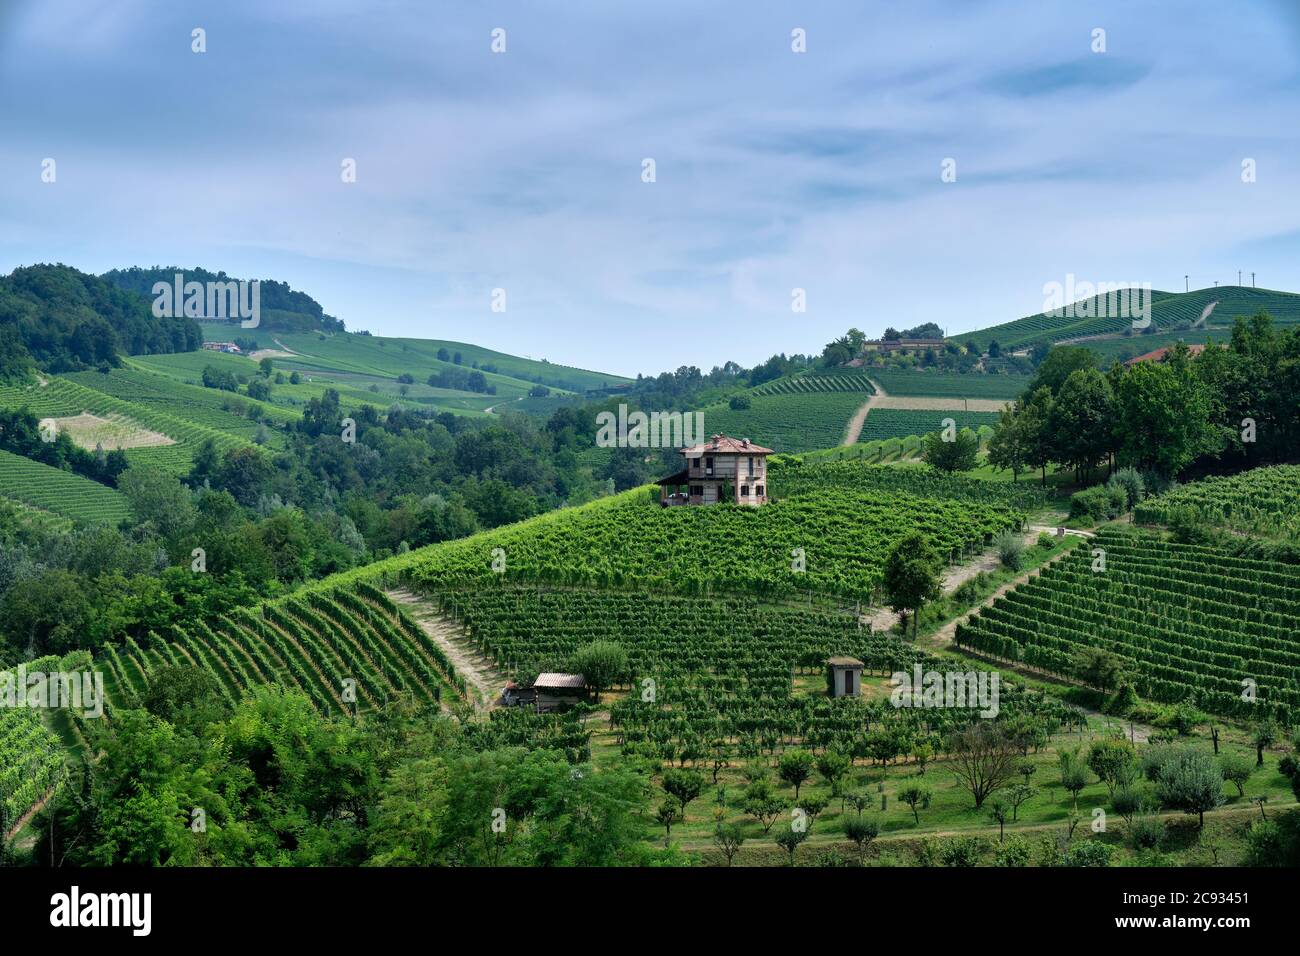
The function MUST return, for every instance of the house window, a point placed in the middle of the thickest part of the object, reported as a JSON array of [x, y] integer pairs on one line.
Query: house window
[[759, 491], [708, 466], [697, 491], [751, 467], [744, 491]]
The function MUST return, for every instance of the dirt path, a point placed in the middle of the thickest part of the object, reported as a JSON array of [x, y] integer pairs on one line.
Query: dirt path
[[954, 577], [860, 416], [943, 638], [26, 818], [477, 670], [492, 409]]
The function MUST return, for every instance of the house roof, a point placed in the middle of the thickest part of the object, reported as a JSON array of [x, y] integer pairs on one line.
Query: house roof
[[1159, 355], [844, 662], [560, 681], [682, 477], [724, 445]]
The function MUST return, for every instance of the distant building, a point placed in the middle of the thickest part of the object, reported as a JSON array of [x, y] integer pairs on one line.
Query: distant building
[[844, 677], [230, 347], [516, 695], [713, 466], [903, 345], [1159, 355]]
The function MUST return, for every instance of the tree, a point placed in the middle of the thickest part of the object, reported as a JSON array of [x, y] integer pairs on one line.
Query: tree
[[983, 759], [1061, 362], [912, 575], [833, 765], [683, 785], [1162, 417], [1036, 418], [958, 454], [1098, 668], [795, 767], [1074, 774], [1000, 810], [790, 839], [1112, 761], [602, 664], [861, 831], [762, 804], [667, 815], [1082, 419], [917, 797], [1237, 769], [1018, 794], [1190, 781], [728, 838], [1265, 735], [1011, 447]]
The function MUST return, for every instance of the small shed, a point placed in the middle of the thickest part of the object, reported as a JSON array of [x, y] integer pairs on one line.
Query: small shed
[[559, 690], [516, 695], [844, 677]]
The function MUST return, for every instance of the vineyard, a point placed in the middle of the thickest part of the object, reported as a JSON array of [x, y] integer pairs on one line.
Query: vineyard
[[1187, 621], [31, 759], [1168, 311], [809, 474], [63, 396], [625, 540], [344, 649], [1264, 501], [885, 423], [788, 422], [61, 492], [949, 384], [812, 384]]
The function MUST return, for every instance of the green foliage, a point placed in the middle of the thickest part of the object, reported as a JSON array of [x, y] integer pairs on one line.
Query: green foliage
[[950, 455], [1098, 503]]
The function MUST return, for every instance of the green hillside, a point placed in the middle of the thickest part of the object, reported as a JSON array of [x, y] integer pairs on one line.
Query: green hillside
[[61, 492], [1171, 312]]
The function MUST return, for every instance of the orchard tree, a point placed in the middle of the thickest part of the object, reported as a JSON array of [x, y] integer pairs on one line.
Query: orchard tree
[[983, 759], [683, 786], [602, 664], [1191, 781], [861, 831], [728, 838], [795, 767], [917, 797]]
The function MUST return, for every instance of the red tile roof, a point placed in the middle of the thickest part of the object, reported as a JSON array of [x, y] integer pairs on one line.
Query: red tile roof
[[1158, 355], [722, 445]]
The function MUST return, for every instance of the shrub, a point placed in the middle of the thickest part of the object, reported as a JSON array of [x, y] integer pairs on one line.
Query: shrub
[[1146, 831], [1098, 503], [1129, 481], [740, 403], [1011, 550], [1088, 853]]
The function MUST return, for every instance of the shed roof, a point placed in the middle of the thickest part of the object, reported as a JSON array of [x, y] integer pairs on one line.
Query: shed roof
[[560, 681], [845, 662]]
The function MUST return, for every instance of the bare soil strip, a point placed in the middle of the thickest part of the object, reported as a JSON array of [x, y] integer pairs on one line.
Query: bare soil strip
[[478, 671], [860, 416]]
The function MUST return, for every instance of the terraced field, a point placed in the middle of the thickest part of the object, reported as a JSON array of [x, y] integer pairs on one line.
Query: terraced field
[[1189, 622], [347, 650], [60, 492], [806, 384]]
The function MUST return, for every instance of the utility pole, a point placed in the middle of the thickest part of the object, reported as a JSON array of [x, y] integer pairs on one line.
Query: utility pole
[[1186, 287], [1252, 280], [1238, 277]]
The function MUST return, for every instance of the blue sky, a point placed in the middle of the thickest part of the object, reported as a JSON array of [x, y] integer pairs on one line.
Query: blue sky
[[775, 170]]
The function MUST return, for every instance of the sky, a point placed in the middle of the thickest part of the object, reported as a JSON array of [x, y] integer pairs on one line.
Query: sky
[[774, 170]]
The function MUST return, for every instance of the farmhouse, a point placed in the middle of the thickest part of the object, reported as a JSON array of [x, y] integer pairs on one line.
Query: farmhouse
[[720, 469], [903, 345], [1159, 355], [230, 347]]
